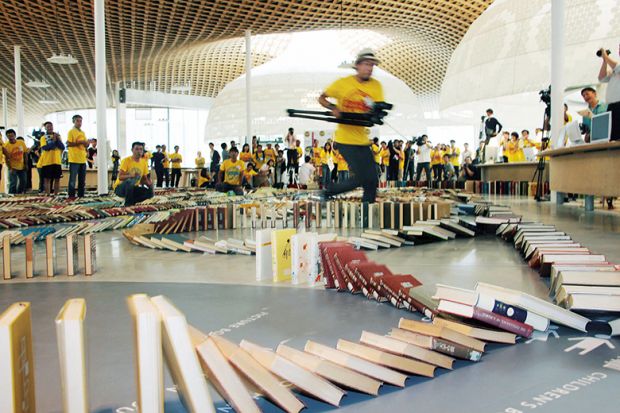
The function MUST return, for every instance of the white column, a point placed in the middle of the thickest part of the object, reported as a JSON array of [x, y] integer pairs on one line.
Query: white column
[[19, 105], [101, 98], [248, 86], [121, 124], [5, 109], [557, 66]]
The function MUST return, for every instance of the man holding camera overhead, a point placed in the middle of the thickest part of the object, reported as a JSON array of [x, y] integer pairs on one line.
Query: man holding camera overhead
[[357, 94], [610, 73]]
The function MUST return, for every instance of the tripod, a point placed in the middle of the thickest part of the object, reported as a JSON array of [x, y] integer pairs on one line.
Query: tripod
[[540, 168]]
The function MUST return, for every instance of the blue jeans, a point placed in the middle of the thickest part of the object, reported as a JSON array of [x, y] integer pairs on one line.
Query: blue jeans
[[77, 170], [17, 181], [327, 176], [132, 193], [343, 176]]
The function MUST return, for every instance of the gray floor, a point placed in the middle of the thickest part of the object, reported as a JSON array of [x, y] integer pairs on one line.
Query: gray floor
[[509, 377]]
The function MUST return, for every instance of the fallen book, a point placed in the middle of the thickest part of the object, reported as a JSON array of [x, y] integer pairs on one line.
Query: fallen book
[[476, 332], [440, 332]]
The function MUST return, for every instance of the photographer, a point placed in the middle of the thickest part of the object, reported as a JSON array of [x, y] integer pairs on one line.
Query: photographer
[[469, 171], [424, 159], [610, 73], [595, 107]]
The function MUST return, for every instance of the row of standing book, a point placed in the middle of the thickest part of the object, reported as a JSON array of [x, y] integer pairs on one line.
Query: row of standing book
[[75, 246], [511, 188], [240, 373]]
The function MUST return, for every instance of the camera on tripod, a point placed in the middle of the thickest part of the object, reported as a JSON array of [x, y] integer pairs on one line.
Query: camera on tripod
[[545, 96]]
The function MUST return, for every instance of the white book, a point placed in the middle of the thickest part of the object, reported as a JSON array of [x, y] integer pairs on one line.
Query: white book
[[72, 356], [148, 362], [181, 358], [264, 269], [544, 308], [304, 258]]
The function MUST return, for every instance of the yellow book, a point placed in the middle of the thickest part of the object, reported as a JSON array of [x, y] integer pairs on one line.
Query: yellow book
[[16, 360], [72, 355], [281, 259]]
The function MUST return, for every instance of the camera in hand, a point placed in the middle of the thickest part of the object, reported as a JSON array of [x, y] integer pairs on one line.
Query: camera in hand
[[599, 54], [419, 140]]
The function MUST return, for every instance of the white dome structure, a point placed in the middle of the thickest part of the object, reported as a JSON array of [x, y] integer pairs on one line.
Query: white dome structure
[[296, 78], [506, 51]]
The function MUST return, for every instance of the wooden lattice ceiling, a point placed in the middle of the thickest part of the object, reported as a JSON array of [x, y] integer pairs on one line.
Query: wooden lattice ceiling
[[200, 41]]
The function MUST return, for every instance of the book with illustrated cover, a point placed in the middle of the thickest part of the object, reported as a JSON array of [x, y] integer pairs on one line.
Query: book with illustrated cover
[[281, 255], [305, 257]]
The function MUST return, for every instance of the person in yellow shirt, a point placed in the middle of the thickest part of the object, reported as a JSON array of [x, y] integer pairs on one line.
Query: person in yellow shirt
[[270, 153], [259, 157], [316, 153], [134, 180], [355, 94], [384, 155], [200, 161], [343, 167], [513, 150], [204, 179], [455, 155], [50, 159], [77, 144], [231, 173], [401, 160], [14, 151], [166, 164], [436, 165], [245, 155], [248, 176], [327, 164], [376, 153], [176, 159]]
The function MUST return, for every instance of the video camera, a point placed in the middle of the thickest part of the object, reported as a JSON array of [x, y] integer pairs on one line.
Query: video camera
[[545, 96], [419, 140], [374, 117]]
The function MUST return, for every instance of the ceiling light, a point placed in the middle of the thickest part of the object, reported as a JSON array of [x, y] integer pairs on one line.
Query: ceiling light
[[38, 84], [62, 59]]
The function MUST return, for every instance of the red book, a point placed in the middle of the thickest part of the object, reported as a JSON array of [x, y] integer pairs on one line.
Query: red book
[[365, 273], [487, 317], [326, 254], [342, 257], [392, 284]]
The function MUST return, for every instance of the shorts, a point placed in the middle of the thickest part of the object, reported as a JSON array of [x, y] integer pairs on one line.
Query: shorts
[[51, 171]]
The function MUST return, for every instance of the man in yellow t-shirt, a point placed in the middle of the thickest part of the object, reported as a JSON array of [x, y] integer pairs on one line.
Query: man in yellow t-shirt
[[50, 159], [77, 144], [355, 94], [270, 153], [14, 151], [455, 155], [134, 180], [200, 161], [166, 164], [175, 159], [343, 167], [231, 173]]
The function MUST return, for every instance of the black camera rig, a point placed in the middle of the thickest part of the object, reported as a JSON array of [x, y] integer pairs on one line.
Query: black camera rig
[[373, 117]]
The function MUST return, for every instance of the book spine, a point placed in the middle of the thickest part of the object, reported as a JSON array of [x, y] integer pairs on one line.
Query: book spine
[[538, 322], [454, 350], [502, 322]]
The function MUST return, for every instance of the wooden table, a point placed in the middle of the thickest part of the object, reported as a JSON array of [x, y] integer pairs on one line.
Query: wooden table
[[517, 171], [588, 169]]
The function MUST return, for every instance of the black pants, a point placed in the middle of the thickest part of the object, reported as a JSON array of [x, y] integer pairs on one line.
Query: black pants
[[426, 166], [224, 187], [167, 177], [176, 177], [438, 172], [159, 173], [614, 108], [392, 172], [359, 158], [291, 159]]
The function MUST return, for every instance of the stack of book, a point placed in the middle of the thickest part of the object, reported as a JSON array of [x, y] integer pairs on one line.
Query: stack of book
[[511, 188]]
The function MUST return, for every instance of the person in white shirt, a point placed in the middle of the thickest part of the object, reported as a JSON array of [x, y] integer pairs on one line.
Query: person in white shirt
[[424, 160], [610, 73], [466, 153], [306, 172]]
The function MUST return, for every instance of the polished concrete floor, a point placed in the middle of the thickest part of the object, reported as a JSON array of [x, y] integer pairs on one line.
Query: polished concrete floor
[[510, 377]]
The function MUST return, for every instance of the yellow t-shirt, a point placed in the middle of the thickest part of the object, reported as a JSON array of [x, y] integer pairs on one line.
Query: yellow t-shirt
[[376, 151], [384, 154], [514, 153], [166, 161], [401, 160], [131, 166], [202, 180], [316, 155], [300, 152], [232, 171], [200, 162], [176, 160], [245, 156], [147, 156], [342, 164], [270, 154], [77, 154], [249, 174], [259, 159], [51, 157], [454, 160], [436, 157], [16, 152], [350, 94], [325, 156]]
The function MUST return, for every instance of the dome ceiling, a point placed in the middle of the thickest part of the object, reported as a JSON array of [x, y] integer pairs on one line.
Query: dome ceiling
[[165, 43]]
